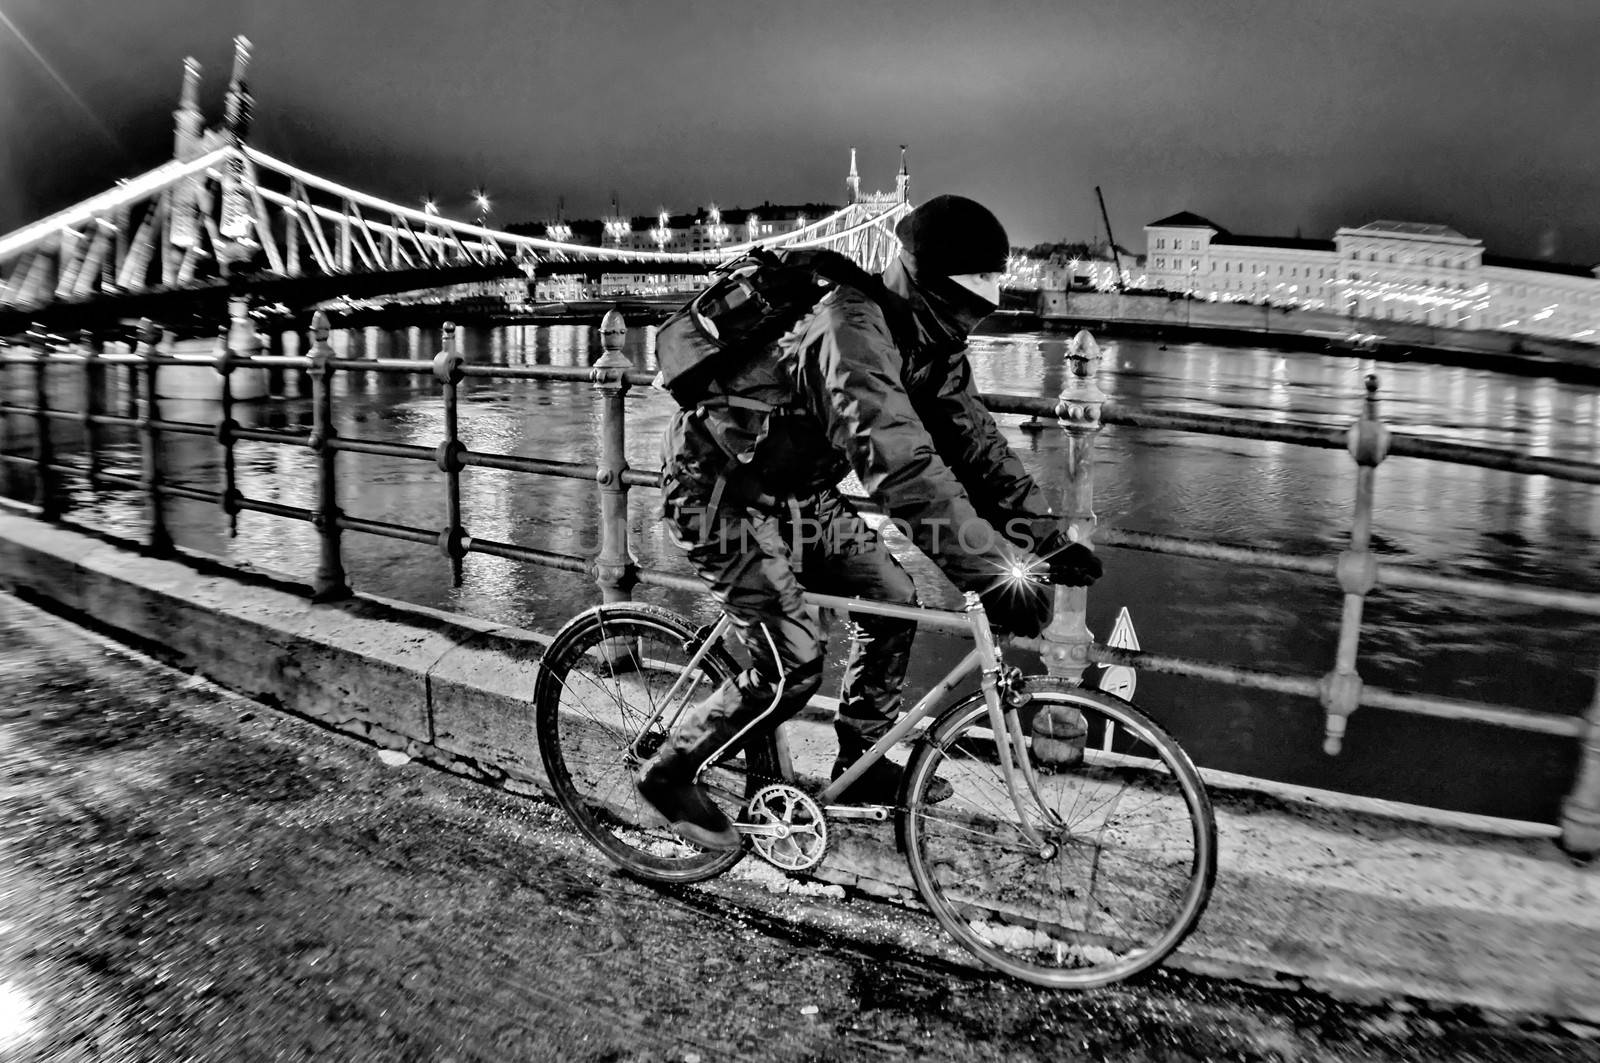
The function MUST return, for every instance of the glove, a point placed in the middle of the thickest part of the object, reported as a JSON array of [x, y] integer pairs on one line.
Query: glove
[[1068, 563], [1018, 606]]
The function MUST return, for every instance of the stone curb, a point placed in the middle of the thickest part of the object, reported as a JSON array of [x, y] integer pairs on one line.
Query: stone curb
[[1346, 901]]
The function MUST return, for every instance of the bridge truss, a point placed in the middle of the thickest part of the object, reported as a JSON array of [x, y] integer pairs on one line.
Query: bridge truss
[[235, 215]]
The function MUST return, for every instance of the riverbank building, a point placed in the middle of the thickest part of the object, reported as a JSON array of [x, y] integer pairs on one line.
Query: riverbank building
[[1382, 271]]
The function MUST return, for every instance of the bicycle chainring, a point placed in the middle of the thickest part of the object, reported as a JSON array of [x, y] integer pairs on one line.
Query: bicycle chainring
[[803, 841]]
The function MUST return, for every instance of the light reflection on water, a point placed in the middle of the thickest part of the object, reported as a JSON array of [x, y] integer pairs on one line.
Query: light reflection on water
[[1442, 518]]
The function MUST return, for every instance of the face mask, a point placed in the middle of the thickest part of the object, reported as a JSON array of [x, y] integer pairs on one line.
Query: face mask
[[985, 286], [958, 307]]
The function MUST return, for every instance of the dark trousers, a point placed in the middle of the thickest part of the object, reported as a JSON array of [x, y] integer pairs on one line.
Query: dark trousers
[[757, 560]]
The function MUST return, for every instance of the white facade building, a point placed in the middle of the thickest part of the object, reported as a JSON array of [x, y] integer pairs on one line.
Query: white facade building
[[1382, 271]]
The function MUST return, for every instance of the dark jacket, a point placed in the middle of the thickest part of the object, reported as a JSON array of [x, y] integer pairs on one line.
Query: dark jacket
[[908, 422]]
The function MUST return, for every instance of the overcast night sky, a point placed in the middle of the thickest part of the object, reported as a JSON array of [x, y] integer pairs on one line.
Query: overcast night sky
[[1266, 117]]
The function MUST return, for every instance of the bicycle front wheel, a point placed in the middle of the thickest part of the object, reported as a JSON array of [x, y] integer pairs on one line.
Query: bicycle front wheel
[[611, 684], [1128, 850]]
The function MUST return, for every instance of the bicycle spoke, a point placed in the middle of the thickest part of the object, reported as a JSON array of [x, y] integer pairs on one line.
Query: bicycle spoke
[[578, 706]]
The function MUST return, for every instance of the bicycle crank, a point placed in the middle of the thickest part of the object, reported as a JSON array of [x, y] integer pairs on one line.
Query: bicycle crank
[[785, 827]]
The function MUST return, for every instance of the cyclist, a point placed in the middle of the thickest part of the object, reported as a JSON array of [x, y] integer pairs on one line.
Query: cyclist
[[906, 418]]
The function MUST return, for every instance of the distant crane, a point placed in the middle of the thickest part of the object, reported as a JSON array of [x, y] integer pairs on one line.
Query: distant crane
[[1115, 257]]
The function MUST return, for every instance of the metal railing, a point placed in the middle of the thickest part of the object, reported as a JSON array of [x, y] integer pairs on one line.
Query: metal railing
[[1066, 646]]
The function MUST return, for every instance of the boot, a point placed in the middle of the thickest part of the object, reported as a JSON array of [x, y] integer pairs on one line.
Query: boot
[[666, 784], [880, 785]]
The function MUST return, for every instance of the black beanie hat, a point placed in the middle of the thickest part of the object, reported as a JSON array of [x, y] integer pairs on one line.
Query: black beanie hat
[[951, 235]]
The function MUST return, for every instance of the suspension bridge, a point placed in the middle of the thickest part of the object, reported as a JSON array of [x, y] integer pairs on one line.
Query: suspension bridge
[[225, 218]]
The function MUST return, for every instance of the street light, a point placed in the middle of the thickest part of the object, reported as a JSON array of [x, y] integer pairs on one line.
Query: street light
[[716, 230]]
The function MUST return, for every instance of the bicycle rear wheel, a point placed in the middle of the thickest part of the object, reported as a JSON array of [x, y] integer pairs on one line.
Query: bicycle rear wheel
[[601, 707], [1130, 853]]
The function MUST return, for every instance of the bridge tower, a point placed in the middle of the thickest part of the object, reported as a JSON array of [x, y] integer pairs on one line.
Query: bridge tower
[[879, 200], [234, 224], [240, 104], [188, 123], [188, 142]]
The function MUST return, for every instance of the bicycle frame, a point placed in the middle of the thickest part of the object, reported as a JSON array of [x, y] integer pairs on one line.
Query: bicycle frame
[[984, 658]]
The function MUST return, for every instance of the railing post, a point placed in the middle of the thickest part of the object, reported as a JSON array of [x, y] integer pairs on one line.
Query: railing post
[[447, 366], [1064, 645], [160, 540], [45, 495], [1580, 812], [5, 418], [93, 403], [329, 584], [237, 343], [1357, 572], [615, 569], [302, 377]]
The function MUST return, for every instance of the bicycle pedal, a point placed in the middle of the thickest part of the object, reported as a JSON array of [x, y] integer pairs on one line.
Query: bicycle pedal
[[876, 813]]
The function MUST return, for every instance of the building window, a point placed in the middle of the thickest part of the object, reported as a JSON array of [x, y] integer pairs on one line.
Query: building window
[[1161, 242]]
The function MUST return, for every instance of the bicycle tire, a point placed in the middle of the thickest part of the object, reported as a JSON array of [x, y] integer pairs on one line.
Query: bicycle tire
[[596, 692], [1013, 906]]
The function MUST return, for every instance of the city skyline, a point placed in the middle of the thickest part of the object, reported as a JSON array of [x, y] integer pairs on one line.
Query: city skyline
[[1280, 117]]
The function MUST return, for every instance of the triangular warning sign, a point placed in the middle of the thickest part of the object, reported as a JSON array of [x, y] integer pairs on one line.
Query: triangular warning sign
[[1123, 637]]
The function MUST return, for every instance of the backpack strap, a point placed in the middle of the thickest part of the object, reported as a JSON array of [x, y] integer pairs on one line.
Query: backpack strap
[[713, 508]]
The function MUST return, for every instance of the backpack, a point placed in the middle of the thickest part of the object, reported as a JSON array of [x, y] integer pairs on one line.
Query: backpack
[[713, 353]]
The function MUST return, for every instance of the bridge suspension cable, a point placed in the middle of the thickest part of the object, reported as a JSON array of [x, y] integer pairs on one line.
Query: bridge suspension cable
[[236, 210]]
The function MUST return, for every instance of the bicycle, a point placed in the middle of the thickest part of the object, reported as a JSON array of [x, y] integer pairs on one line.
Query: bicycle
[[1070, 863]]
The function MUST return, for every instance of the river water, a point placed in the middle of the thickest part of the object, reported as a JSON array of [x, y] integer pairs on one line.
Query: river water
[[1440, 518]]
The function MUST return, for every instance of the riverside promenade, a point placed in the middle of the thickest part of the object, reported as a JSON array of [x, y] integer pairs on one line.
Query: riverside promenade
[[188, 874], [1356, 900]]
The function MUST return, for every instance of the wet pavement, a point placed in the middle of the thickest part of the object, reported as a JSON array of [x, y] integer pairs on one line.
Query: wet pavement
[[186, 875]]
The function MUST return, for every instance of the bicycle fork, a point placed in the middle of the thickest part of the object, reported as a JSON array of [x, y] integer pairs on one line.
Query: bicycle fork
[[1005, 723]]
